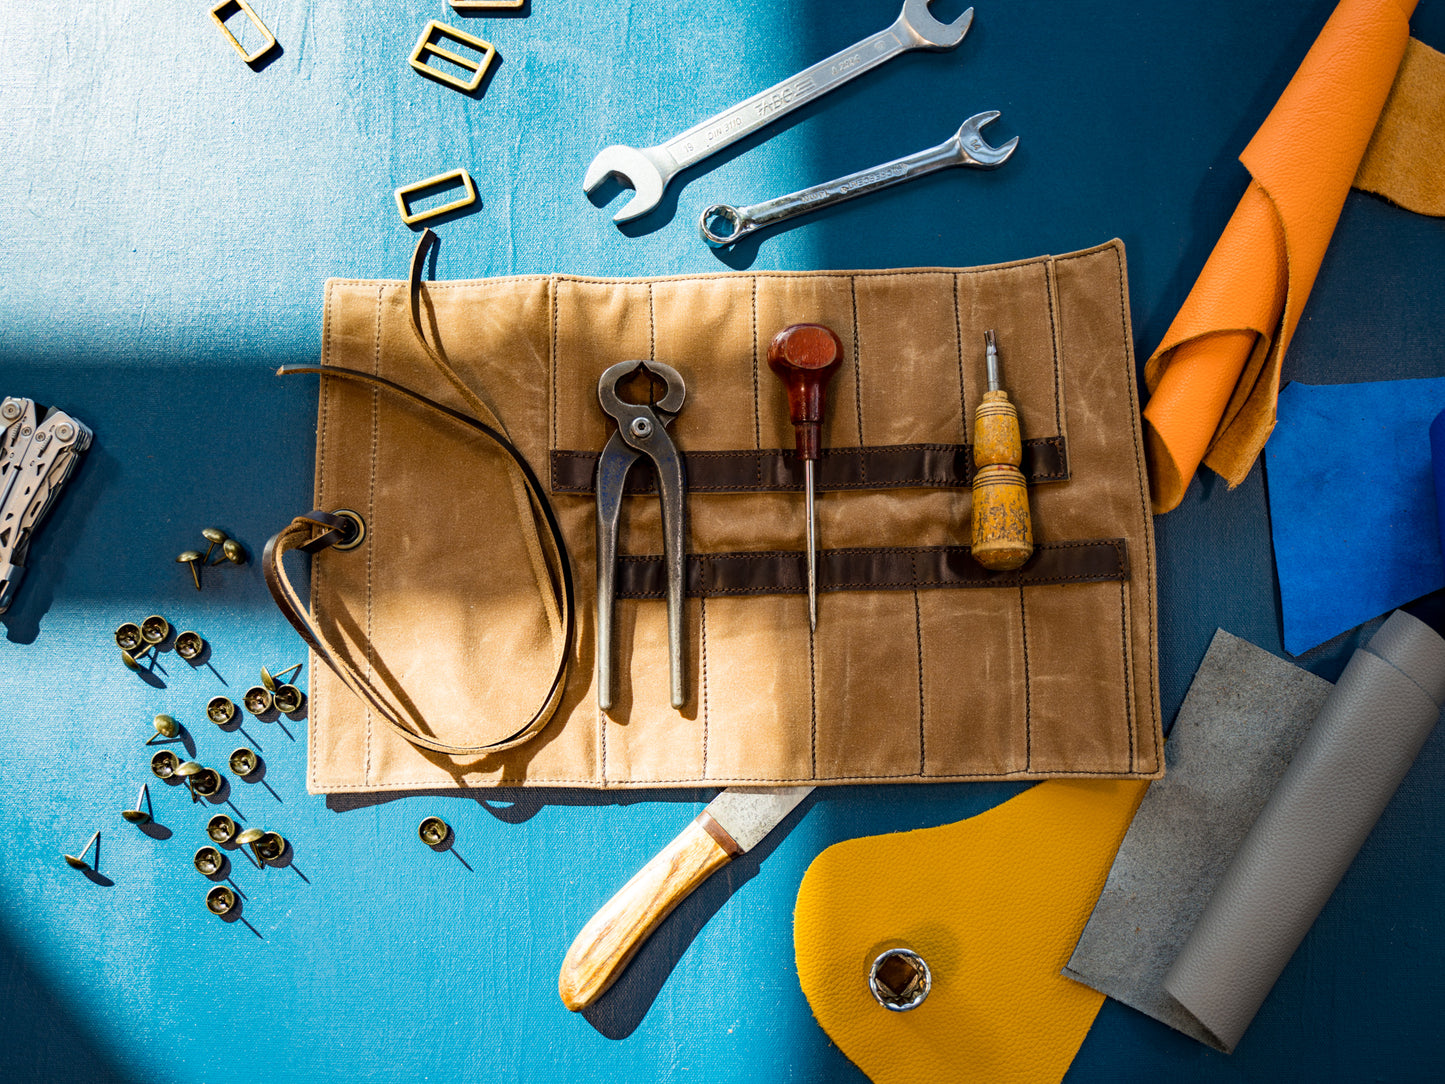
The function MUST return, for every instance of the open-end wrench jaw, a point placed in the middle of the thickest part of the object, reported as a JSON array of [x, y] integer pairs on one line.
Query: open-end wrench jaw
[[636, 170], [974, 150], [919, 24]]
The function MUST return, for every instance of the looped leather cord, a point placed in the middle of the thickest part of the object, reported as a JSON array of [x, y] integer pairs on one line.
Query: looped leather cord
[[318, 530]]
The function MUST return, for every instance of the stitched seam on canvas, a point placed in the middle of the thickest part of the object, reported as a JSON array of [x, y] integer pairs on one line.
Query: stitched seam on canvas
[[371, 517], [651, 329], [703, 622], [1124, 661], [317, 567], [1054, 345], [812, 706], [1143, 500], [1028, 698], [958, 341], [857, 369], [922, 709], [554, 438], [757, 402]]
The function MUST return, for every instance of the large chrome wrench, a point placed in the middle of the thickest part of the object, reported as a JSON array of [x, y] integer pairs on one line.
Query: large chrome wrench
[[966, 148], [648, 171]]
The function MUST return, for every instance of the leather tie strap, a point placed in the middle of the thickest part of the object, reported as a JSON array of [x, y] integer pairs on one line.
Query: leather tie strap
[[319, 530]]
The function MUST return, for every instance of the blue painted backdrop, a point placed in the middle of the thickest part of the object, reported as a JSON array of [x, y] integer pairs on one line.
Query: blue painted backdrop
[[168, 216]]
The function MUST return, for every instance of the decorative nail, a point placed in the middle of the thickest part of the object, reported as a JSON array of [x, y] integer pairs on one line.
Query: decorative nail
[[165, 764], [244, 762], [132, 658], [75, 861], [192, 558], [166, 726], [220, 710], [433, 831], [215, 536], [257, 700], [221, 828], [209, 861], [220, 900], [138, 815], [189, 645], [154, 630], [286, 699], [233, 551], [128, 636], [270, 847]]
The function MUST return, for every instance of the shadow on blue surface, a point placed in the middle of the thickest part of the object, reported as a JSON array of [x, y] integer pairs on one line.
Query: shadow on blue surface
[[43, 1041]]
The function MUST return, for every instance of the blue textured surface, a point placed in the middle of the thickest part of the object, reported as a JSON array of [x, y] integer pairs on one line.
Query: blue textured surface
[[168, 217], [1352, 504]]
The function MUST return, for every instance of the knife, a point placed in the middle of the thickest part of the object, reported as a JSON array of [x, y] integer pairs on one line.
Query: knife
[[734, 822]]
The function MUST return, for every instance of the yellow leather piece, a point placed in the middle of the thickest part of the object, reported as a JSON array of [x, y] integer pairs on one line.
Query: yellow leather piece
[[994, 904]]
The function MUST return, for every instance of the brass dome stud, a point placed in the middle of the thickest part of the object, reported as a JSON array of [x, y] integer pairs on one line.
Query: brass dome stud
[[166, 726], [132, 658], [154, 630], [220, 900], [77, 861], [165, 764], [138, 815], [270, 847], [209, 861], [221, 828], [206, 782], [128, 636], [233, 551], [257, 700], [192, 558], [244, 762], [189, 645], [286, 699], [216, 537], [220, 710], [433, 831]]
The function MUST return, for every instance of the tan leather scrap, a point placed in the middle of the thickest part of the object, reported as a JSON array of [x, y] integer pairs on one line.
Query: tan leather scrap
[[924, 666]]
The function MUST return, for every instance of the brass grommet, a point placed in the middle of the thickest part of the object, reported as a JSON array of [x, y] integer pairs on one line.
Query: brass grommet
[[154, 629], [165, 764], [138, 815], [220, 900], [360, 532], [128, 636], [189, 645], [244, 762], [257, 700], [899, 979], [220, 710], [166, 726], [221, 828], [271, 846], [286, 699], [77, 861], [433, 831], [209, 861]]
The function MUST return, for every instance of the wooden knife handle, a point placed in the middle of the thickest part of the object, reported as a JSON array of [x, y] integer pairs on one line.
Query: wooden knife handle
[[614, 934]]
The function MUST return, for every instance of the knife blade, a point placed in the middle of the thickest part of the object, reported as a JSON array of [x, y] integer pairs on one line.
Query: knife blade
[[734, 822]]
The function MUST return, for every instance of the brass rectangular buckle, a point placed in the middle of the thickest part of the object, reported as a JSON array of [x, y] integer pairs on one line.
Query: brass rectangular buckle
[[426, 47], [224, 10], [403, 194]]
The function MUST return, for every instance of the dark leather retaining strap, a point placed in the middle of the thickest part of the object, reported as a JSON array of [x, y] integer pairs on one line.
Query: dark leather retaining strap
[[935, 466], [899, 568]]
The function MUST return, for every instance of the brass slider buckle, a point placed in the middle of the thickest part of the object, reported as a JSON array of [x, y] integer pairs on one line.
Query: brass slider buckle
[[403, 195], [224, 10], [426, 47]]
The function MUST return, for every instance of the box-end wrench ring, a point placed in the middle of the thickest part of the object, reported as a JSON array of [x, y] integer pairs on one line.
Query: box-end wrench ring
[[650, 170], [966, 148]]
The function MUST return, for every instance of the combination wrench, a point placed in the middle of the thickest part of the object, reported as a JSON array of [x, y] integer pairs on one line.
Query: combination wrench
[[649, 171], [966, 148]]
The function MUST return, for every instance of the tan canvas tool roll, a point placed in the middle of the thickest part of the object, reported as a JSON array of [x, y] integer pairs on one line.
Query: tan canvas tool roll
[[448, 621]]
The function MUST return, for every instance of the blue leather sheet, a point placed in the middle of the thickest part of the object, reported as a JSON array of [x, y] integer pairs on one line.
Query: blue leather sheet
[[168, 216], [1352, 503], [1437, 469]]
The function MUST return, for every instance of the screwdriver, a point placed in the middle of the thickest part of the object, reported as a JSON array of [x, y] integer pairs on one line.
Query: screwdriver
[[805, 357], [1003, 537]]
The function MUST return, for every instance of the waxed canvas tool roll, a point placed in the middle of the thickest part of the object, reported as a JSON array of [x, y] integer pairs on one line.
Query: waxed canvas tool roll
[[924, 667]]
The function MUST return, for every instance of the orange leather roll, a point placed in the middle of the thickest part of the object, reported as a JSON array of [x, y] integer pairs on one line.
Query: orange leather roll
[[1215, 377]]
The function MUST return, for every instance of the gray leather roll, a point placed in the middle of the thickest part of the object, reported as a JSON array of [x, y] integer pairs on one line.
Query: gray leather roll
[[1361, 745]]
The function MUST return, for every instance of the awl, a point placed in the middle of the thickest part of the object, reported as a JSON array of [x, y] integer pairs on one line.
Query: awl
[[737, 820]]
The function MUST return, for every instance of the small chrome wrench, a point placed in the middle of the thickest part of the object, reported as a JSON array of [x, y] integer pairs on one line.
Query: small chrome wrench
[[966, 148], [648, 171]]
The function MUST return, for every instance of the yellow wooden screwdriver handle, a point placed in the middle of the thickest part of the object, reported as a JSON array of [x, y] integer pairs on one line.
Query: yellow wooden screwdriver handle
[[1003, 536]]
